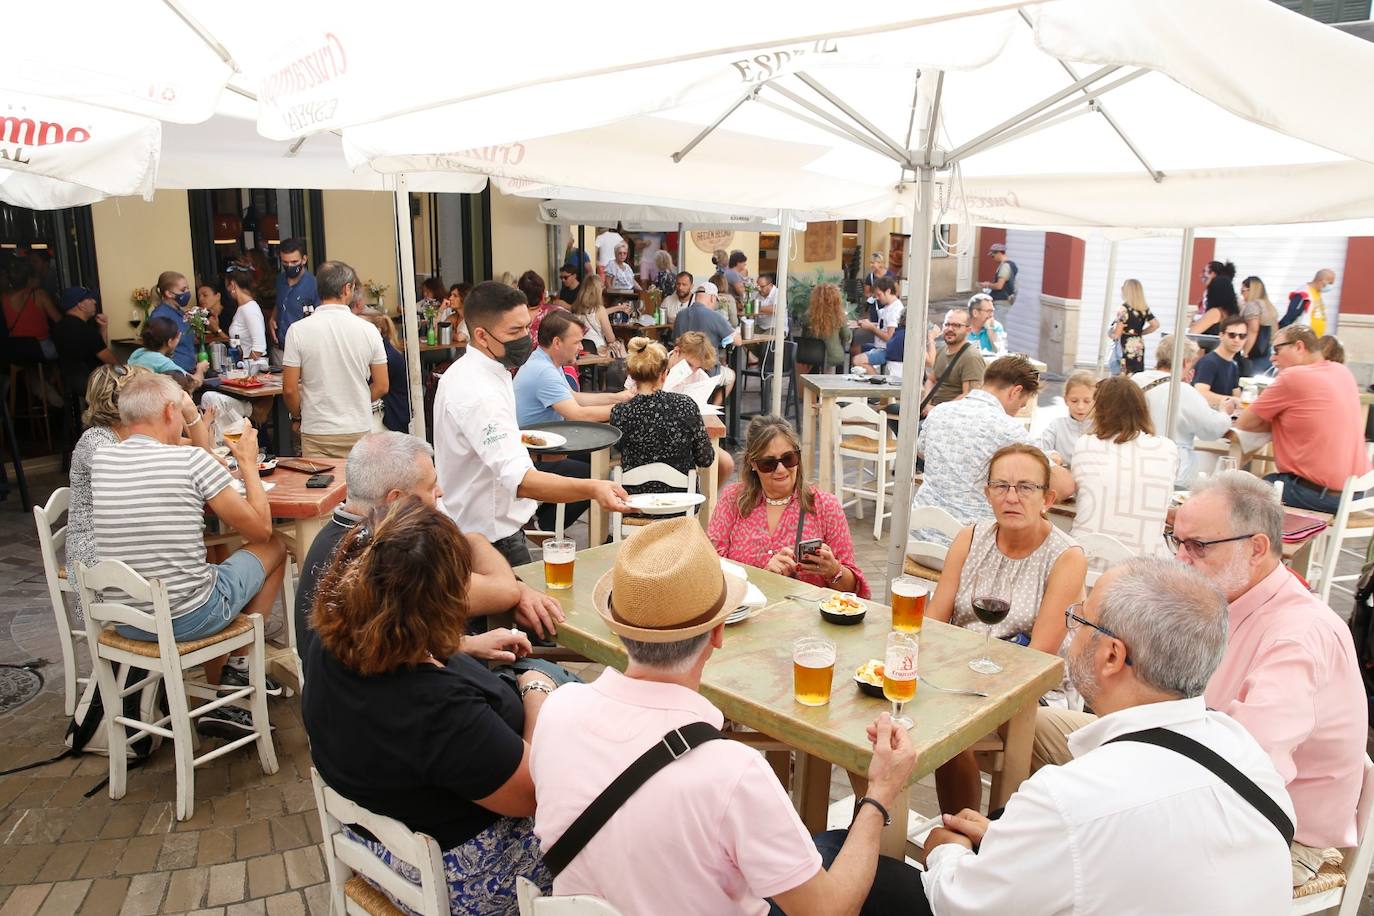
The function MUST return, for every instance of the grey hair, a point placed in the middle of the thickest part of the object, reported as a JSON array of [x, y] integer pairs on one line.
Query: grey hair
[[1254, 505], [145, 398], [331, 277], [380, 463], [1164, 351], [668, 657], [1172, 619]]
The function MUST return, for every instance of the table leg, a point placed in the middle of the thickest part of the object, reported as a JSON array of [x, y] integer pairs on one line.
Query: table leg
[[808, 432], [597, 522], [893, 840], [710, 487], [305, 531], [812, 791], [281, 423], [738, 363], [827, 446], [1017, 738]]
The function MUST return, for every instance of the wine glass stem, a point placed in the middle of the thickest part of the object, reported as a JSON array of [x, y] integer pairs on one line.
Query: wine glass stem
[[987, 643]]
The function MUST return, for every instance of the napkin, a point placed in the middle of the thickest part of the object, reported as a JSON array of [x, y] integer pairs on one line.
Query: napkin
[[753, 597]]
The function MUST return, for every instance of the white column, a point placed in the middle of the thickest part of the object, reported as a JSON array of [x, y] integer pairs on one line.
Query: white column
[[405, 255], [1106, 308], [1185, 276]]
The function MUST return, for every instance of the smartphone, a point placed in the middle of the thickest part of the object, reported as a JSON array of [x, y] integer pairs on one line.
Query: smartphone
[[319, 481], [808, 546]]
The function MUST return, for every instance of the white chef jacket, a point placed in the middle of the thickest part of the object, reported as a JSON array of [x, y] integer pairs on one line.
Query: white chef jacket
[[1128, 828], [477, 449]]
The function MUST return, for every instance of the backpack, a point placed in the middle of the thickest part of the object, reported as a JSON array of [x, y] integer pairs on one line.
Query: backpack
[[86, 732], [1010, 287], [1362, 628]]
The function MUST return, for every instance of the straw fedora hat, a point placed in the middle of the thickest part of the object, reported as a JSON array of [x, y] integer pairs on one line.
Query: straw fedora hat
[[667, 584]]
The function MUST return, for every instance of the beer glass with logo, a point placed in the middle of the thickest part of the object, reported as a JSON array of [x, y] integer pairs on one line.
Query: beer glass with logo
[[558, 563], [908, 595], [899, 674], [813, 670]]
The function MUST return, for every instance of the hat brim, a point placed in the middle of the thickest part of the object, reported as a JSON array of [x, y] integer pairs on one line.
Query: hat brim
[[735, 589]]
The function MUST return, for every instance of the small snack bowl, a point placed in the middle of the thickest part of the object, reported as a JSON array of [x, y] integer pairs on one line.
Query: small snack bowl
[[266, 465], [844, 609], [869, 677]]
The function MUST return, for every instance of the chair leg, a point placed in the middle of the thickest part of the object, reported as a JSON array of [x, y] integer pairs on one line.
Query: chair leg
[[880, 498], [107, 684], [257, 663], [183, 744]]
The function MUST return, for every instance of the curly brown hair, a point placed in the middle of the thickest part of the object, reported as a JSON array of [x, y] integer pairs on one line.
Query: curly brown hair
[[825, 315], [396, 590]]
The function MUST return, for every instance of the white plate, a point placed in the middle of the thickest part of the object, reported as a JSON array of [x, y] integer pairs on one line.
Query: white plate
[[664, 503], [551, 440]]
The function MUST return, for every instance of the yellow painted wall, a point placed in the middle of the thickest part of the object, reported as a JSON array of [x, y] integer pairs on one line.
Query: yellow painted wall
[[699, 262], [360, 230], [519, 241], [134, 242]]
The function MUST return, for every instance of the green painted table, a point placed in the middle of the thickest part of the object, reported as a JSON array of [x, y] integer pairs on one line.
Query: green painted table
[[750, 680]]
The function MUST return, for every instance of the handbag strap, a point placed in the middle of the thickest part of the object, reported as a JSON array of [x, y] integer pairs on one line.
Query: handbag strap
[[949, 367], [1205, 756], [1151, 386], [674, 745]]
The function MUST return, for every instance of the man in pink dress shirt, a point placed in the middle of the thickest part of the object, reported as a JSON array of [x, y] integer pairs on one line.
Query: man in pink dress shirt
[[1289, 674]]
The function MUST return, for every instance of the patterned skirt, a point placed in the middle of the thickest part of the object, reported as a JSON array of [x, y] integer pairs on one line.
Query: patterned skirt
[[481, 873]]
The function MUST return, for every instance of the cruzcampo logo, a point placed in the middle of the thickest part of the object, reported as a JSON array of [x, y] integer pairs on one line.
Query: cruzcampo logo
[[492, 434]]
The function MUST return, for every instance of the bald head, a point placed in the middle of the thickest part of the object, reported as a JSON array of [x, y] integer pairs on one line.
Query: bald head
[[1324, 278]]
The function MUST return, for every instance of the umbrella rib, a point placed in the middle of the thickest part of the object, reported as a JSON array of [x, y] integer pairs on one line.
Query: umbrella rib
[[915, 94], [210, 40], [821, 125], [1102, 110], [901, 158], [859, 119], [934, 114], [705, 132]]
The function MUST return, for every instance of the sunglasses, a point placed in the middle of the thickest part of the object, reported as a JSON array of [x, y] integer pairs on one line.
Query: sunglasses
[[1240, 336], [770, 464]]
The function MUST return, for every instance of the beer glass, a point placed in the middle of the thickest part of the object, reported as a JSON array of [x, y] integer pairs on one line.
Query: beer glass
[[1226, 463], [908, 596], [558, 563], [899, 674], [813, 670]]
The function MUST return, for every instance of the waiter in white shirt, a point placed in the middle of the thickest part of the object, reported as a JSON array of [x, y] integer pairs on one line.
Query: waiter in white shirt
[[1129, 827], [490, 484]]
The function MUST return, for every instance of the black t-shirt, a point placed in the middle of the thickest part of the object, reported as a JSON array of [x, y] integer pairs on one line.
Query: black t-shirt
[[77, 341], [567, 294], [1219, 374], [417, 744], [316, 559]]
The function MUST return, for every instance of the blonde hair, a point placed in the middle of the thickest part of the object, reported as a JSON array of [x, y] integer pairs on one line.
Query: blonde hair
[[383, 323], [1134, 294], [647, 360], [663, 260], [695, 345], [1080, 379], [589, 296], [102, 393]]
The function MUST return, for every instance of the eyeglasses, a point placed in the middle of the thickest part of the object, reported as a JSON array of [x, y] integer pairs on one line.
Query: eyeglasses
[[1024, 488], [951, 324], [770, 464], [1198, 549], [1072, 620], [1241, 336]]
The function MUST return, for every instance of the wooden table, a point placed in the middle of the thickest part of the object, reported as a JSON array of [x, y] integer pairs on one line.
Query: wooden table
[[634, 329], [750, 680], [264, 399], [430, 348], [825, 389]]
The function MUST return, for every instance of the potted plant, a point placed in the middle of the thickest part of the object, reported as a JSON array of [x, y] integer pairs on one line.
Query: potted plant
[[799, 287], [376, 291], [142, 298]]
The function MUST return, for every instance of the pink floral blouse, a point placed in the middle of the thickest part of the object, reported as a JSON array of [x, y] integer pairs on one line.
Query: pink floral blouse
[[748, 540]]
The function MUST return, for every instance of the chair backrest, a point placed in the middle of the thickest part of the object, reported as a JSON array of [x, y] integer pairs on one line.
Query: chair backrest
[[118, 576], [1340, 527], [811, 351], [1105, 550], [429, 898], [789, 358], [51, 539], [532, 903], [856, 418], [1357, 861], [654, 472], [935, 518]]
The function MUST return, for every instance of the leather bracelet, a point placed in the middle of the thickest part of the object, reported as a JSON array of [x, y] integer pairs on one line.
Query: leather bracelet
[[887, 818], [538, 687]]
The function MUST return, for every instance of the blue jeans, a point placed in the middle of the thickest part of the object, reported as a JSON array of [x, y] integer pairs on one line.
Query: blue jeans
[[237, 580], [1301, 494], [896, 890]]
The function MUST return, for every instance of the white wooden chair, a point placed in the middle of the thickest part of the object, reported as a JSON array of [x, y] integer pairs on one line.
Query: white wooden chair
[[533, 903], [348, 860], [657, 472], [1103, 552], [166, 659], [925, 559], [861, 434], [539, 536], [1345, 899], [1354, 519], [51, 540]]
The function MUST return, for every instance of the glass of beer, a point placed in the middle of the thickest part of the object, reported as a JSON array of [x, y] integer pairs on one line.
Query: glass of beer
[[558, 563], [813, 670], [899, 674], [908, 596]]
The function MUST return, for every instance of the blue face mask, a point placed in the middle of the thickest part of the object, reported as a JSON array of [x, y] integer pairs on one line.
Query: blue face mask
[[182, 299]]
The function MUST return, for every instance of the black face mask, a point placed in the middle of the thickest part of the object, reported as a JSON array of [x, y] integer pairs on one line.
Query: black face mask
[[515, 351], [293, 270]]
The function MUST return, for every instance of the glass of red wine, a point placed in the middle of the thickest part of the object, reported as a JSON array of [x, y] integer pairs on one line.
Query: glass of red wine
[[990, 611]]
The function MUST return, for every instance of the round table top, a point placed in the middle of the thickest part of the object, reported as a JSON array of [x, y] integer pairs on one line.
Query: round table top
[[582, 435]]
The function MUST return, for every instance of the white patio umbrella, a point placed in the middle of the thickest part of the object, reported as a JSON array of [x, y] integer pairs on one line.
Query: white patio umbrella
[[1070, 112]]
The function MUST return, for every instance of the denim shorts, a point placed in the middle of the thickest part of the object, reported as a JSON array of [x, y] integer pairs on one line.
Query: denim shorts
[[877, 357], [237, 580]]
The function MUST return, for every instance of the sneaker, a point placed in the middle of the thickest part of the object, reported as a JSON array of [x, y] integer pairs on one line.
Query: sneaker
[[228, 722], [231, 678]]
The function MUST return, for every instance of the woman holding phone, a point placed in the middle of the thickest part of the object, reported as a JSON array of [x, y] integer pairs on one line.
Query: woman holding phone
[[773, 518]]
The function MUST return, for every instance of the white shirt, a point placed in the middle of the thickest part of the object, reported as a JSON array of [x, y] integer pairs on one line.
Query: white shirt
[[249, 328], [1124, 489], [606, 244], [888, 317], [1196, 419], [477, 448], [1128, 828], [620, 276], [337, 352], [765, 321]]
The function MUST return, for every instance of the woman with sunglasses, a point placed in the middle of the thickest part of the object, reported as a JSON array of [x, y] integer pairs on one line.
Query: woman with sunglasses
[[1021, 558], [761, 520]]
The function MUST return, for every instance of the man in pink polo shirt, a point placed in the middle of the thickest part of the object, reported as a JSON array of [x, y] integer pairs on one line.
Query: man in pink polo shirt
[[1313, 409], [1289, 674], [713, 832]]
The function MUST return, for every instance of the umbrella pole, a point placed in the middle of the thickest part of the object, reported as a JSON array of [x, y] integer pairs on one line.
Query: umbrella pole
[[405, 255], [1106, 309], [913, 366], [780, 320], [1185, 275]]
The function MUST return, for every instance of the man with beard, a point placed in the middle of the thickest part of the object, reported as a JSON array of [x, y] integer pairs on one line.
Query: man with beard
[[1289, 674], [1127, 825]]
